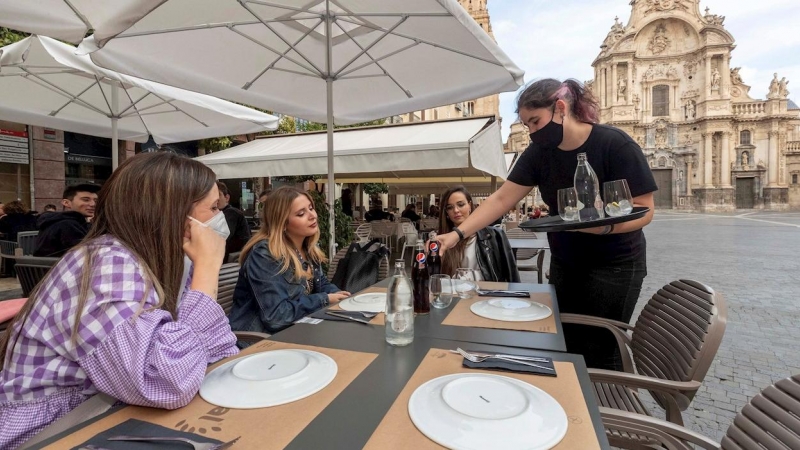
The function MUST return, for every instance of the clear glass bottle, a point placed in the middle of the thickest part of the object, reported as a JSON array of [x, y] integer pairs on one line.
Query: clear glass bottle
[[587, 186], [399, 308]]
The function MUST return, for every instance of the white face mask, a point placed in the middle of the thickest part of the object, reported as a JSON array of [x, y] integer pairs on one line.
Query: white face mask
[[217, 223]]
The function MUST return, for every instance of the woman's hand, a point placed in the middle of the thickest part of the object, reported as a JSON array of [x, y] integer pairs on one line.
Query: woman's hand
[[447, 241], [204, 246], [336, 297]]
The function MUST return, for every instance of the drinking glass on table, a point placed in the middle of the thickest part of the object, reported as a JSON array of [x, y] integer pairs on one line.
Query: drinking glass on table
[[568, 207], [618, 198], [441, 291], [465, 282]]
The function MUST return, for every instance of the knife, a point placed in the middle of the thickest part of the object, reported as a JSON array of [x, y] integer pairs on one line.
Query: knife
[[343, 316]]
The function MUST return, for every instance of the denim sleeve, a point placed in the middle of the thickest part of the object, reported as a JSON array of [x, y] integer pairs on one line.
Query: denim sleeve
[[281, 300], [325, 285]]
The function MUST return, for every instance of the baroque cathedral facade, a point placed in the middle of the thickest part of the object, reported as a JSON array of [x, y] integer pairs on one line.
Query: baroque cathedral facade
[[666, 79]]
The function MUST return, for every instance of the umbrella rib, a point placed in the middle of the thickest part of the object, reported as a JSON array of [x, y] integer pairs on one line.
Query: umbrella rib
[[104, 96], [163, 102], [181, 110], [278, 6], [266, 24], [374, 60], [133, 103], [365, 51], [423, 41], [280, 56], [56, 111], [261, 44], [79, 15], [48, 85], [295, 72], [135, 109], [204, 26], [25, 73]]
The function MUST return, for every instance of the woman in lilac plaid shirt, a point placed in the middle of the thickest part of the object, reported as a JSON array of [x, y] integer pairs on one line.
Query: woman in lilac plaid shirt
[[117, 315]]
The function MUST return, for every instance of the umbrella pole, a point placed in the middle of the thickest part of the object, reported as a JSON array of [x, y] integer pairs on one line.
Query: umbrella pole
[[114, 130], [329, 93]]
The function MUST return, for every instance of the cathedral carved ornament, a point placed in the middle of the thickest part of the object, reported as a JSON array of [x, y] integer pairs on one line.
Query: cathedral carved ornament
[[659, 71], [659, 41], [690, 67], [664, 5]]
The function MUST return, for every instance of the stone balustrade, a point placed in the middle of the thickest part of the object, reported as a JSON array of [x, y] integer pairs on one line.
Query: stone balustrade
[[750, 108], [793, 146]]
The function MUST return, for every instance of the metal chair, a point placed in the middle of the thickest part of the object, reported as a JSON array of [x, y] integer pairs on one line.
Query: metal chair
[[530, 260], [770, 420], [673, 344], [7, 256], [26, 240], [363, 232], [31, 270], [410, 235]]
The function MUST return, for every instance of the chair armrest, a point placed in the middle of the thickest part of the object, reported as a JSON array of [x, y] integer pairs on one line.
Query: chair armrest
[[642, 381], [250, 336], [622, 337], [669, 434]]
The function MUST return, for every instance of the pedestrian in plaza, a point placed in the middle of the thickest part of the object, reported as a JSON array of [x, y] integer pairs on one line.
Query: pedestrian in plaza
[[487, 251], [281, 279], [17, 218], [115, 315], [59, 232], [596, 271], [237, 223]]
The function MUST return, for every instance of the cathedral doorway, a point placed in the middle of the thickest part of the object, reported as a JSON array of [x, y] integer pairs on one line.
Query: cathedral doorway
[[745, 193], [663, 197]]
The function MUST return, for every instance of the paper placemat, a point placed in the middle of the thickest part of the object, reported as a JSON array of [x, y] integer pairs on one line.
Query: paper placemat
[[273, 427], [396, 431], [377, 320], [461, 316]]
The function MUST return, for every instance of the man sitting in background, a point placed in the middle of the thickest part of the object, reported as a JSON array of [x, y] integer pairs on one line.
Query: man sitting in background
[[237, 223], [59, 232]]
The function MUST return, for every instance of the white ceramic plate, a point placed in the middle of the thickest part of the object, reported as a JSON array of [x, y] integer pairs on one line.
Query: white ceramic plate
[[372, 302], [478, 411], [268, 379], [510, 309]]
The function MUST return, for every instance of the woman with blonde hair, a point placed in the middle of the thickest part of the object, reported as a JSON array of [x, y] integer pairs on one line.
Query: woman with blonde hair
[[281, 279], [120, 314]]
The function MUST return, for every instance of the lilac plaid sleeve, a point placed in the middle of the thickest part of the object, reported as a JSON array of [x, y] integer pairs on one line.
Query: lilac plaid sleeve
[[153, 361], [124, 347]]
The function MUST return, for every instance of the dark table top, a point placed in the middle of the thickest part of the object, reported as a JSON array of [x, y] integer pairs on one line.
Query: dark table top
[[430, 325], [350, 420]]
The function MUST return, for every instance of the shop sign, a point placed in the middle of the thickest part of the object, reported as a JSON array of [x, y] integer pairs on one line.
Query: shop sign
[[13, 147]]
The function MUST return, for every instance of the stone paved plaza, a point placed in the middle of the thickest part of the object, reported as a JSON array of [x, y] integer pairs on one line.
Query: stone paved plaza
[[752, 258]]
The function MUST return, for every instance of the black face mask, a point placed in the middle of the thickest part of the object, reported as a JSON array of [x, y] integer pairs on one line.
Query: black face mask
[[549, 136]]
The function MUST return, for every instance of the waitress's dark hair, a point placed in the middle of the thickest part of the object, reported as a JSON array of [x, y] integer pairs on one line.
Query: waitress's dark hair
[[544, 93]]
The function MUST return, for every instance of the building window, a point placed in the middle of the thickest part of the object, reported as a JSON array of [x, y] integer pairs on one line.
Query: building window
[[794, 178], [660, 100], [744, 137], [470, 111]]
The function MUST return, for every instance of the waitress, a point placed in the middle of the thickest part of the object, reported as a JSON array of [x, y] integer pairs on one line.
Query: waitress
[[596, 271]]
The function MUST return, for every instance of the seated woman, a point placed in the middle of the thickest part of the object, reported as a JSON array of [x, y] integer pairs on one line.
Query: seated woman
[[487, 250], [115, 314], [281, 279]]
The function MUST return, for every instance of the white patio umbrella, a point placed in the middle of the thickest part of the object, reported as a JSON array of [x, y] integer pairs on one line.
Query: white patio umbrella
[[332, 61], [43, 83]]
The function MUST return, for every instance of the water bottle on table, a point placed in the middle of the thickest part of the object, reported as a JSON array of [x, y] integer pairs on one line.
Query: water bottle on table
[[399, 308]]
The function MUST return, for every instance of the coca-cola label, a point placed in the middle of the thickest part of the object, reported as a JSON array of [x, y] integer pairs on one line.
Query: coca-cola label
[[434, 247], [421, 258]]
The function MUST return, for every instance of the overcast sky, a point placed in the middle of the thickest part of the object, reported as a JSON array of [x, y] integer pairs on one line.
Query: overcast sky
[[560, 39]]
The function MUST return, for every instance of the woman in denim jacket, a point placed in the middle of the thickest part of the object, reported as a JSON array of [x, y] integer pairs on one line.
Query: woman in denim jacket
[[281, 278]]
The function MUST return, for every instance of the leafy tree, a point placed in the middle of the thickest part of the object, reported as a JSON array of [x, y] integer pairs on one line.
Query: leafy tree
[[344, 234], [9, 36], [376, 188]]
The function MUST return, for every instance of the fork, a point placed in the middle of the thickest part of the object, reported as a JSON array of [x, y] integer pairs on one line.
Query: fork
[[367, 314], [479, 359], [195, 445], [514, 357]]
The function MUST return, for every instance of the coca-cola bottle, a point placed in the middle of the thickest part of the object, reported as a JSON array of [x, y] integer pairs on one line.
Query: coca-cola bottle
[[434, 259], [419, 280]]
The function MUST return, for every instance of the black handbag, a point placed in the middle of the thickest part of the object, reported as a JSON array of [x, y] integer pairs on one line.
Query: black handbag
[[359, 269]]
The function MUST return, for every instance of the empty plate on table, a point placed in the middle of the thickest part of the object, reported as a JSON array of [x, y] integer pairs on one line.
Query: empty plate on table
[[511, 309], [478, 411], [268, 379], [372, 302]]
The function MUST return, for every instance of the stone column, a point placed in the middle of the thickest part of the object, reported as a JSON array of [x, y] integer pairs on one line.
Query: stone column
[[700, 160], [725, 84], [689, 176], [603, 88], [725, 160], [629, 89], [707, 82], [613, 83], [708, 149], [48, 166], [772, 165]]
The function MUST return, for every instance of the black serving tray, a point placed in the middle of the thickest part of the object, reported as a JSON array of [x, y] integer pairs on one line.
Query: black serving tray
[[556, 223]]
